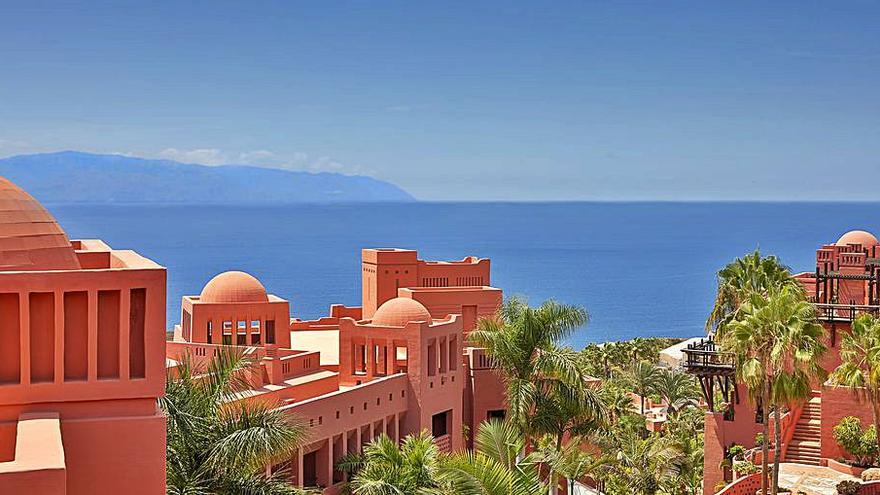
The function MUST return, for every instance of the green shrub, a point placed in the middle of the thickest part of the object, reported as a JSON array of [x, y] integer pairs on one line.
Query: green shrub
[[736, 451], [745, 468], [858, 442], [759, 439]]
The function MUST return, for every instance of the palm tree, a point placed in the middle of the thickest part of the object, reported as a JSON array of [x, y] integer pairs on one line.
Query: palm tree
[[523, 343], [777, 345], [217, 445], [563, 411], [739, 280], [643, 379], [386, 469], [645, 466], [860, 367], [677, 390], [496, 466], [618, 402], [689, 465]]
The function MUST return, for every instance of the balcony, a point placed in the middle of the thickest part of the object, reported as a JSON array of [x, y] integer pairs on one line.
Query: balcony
[[705, 358], [840, 313]]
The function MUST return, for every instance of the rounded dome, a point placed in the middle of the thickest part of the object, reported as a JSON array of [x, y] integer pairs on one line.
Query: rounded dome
[[866, 239], [234, 287], [30, 238], [399, 311]]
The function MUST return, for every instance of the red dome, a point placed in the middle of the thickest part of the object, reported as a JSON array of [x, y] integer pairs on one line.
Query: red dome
[[399, 311], [234, 287], [866, 239], [30, 238]]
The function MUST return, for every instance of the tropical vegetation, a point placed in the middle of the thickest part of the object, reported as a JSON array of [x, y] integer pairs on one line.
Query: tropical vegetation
[[859, 442], [860, 366], [761, 315], [217, 445]]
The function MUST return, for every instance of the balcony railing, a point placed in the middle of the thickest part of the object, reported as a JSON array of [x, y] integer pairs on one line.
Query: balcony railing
[[832, 313], [705, 357]]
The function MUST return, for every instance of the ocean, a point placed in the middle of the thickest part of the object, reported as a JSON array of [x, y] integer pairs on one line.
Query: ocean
[[640, 269]]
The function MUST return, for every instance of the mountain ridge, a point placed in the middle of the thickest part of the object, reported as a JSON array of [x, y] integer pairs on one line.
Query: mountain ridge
[[80, 177]]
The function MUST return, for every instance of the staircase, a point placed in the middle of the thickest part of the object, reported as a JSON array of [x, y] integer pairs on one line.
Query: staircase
[[804, 445]]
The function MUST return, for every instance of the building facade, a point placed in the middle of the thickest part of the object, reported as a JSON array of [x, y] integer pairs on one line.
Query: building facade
[[82, 360], [397, 365], [844, 284]]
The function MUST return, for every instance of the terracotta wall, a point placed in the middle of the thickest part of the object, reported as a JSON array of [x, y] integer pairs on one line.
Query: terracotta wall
[[838, 403], [743, 486]]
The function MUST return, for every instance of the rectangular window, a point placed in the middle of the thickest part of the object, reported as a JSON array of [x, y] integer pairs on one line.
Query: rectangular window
[[76, 336], [42, 313], [227, 326], [210, 333], [242, 326], [432, 358], [255, 325], [270, 331], [137, 314], [440, 424], [255, 338], [10, 333], [454, 355], [108, 334], [498, 414], [241, 339], [227, 339]]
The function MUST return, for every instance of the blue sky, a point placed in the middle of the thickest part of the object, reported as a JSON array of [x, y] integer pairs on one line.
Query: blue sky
[[464, 100]]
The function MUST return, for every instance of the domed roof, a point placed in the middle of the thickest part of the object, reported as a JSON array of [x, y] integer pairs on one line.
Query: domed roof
[[234, 287], [866, 239], [30, 238], [399, 311]]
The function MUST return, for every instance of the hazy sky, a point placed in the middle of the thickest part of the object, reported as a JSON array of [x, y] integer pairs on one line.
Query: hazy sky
[[465, 100]]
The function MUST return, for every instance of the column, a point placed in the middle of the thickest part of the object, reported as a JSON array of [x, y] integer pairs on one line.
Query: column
[[390, 357], [329, 471], [370, 358], [299, 468], [124, 334], [59, 336], [24, 320], [93, 335]]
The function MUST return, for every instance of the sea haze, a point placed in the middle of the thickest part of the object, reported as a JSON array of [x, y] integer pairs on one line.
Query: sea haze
[[640, 269]]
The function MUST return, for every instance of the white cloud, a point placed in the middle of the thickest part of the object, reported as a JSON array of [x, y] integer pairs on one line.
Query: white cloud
[[203, 156], [262, 158]]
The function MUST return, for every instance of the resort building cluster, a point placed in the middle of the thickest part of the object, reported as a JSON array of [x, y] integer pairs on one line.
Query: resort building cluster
[[84, 357], [844, 284]]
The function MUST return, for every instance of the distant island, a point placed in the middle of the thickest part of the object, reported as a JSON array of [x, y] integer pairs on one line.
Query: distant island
[[77, 177]]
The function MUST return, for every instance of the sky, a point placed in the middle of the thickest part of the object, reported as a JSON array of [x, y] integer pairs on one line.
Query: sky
[[470, 100]]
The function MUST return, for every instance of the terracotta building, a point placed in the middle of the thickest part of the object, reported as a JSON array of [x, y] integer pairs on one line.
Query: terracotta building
[[844, 284], [397, 365], [82, 360]]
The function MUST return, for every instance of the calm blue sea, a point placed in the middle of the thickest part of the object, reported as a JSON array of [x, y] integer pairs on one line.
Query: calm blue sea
[[640, 269]]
